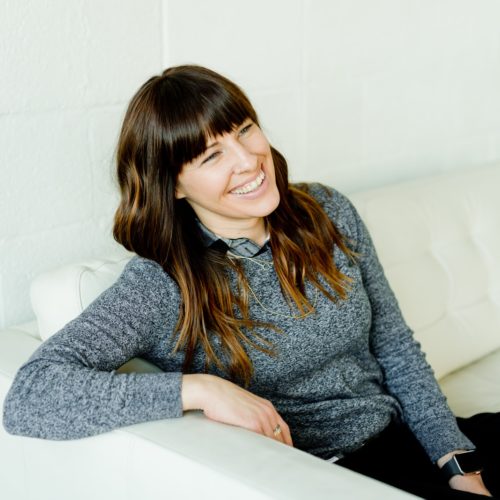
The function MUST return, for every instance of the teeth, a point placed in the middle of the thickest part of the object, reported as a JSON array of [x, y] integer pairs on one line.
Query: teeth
[[251, 186]]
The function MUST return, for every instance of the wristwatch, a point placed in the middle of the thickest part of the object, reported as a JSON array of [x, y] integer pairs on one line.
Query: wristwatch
[[462, 464]]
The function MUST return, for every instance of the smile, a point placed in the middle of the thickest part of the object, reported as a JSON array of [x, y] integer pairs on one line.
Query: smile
[[251, 186]]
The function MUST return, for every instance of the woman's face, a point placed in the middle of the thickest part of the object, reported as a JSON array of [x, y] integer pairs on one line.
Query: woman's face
[[231, 186]]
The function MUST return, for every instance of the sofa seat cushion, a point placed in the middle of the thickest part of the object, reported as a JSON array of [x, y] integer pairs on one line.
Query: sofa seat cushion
[[475, 388]]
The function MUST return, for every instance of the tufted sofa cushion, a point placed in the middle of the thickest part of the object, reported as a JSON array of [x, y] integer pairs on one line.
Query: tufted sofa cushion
[[439, 242], [61, 295]]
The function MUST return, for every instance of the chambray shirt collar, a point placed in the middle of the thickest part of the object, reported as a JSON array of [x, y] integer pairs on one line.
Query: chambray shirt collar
[[244, 247]]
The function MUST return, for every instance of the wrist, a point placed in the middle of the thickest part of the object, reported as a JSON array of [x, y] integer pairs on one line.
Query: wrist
[[441, 461], [460, 463], [194, 391]]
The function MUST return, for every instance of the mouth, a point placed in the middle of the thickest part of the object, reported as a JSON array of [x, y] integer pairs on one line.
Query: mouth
[[252, 186]]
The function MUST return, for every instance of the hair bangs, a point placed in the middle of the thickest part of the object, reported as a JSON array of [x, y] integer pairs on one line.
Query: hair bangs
[[208, 109]]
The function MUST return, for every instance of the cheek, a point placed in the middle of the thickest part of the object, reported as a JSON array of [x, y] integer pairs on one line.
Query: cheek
[[206, 186]]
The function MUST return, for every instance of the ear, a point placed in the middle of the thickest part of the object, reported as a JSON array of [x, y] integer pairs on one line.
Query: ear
[[179, 193]]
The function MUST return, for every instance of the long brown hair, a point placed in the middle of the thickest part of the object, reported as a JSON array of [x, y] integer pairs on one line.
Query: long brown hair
[[167, 125]]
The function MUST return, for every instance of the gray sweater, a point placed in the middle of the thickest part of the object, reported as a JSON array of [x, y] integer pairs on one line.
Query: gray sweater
[[340, 376]]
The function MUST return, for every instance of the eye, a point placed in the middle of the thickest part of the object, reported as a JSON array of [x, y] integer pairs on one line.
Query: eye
[[245, 129], [211, 157]]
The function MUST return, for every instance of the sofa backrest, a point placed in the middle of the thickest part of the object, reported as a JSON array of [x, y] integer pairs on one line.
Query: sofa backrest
[[60, 295], [438, 239]]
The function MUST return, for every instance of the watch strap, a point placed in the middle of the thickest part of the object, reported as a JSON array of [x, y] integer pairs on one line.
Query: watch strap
[[453, 468]]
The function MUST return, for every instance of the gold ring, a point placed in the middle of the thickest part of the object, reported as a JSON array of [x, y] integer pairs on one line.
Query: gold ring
[[277, 430]]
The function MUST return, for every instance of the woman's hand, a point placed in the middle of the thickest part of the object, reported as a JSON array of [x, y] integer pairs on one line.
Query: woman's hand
[[472, 484], [223, 401]]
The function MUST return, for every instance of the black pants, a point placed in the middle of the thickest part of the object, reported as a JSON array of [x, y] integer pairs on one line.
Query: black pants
[[395, 457]]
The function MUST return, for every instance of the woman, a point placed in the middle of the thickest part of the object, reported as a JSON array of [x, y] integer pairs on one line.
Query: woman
[[235, 295]]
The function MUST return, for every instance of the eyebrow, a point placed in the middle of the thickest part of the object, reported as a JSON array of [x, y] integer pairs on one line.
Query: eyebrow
[[216, 143], [212, 145]]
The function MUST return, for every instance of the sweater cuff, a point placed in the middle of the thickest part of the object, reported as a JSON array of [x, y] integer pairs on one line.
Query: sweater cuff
[[155, 396], [440, 436]]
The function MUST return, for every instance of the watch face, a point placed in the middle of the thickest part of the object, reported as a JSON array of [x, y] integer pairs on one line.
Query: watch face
[[469, 462]]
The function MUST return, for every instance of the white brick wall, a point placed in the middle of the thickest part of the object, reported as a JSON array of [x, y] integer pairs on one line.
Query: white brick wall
[[353, 92], [67, 69]]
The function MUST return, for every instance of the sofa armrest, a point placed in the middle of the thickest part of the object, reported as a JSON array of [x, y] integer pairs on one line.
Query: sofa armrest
[[16, 346], [179, 458], [266, 467], [184, 458]]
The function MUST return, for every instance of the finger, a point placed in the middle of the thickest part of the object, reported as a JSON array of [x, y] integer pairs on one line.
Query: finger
[[285, 430], [277, 432], [270, 423], [280, 431], [286, 437]]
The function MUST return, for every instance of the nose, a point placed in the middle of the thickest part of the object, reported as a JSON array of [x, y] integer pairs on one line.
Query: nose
[[243, 159]]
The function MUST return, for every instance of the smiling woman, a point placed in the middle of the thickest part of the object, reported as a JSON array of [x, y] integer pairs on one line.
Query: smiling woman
[[263, 302], [193, 161]]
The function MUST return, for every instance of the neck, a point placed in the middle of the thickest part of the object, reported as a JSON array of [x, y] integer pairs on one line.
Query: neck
[[255, 230]]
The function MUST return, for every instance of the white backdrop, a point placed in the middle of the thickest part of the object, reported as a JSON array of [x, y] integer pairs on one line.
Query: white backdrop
[[364, 92]]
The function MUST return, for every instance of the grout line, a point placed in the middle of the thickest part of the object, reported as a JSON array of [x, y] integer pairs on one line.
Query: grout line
[[303, 116], [92, 161], [50, 230], [164, 51], [3, 319], [64, 109], [85, 13]]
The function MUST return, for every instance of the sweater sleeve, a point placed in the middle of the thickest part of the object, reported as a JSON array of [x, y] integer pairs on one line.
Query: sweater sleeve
[[69, 388], [407, 375]]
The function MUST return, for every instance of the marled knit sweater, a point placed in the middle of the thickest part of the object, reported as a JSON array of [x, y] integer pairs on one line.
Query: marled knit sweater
[[339, 377]]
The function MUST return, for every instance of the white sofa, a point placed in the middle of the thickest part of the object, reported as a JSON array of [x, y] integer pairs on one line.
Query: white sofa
[[439, 240]]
